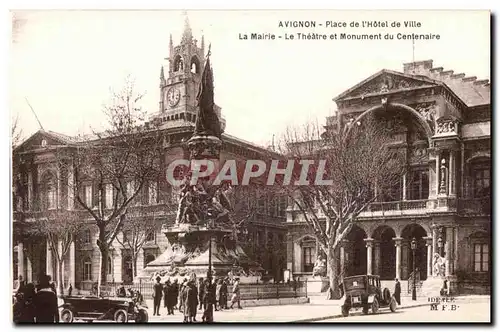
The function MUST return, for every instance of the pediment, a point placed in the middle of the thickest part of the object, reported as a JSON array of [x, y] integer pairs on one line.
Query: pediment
[[385, 81], [44, 139]]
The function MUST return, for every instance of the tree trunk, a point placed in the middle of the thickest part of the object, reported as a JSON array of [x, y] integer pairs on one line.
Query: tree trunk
[[134, 266], [60, 277], [332, 263], [103, 247]]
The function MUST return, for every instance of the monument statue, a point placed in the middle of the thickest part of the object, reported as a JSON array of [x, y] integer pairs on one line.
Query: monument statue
[[319, 267], [438, 265], [202, 240]]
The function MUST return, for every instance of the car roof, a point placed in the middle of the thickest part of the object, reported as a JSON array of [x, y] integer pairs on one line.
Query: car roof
[[362, 275]]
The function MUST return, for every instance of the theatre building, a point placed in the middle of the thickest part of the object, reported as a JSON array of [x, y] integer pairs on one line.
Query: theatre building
[[441, 120], [39, 187]]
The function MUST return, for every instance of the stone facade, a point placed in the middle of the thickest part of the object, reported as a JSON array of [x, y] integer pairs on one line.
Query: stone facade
[[442, 121], [40, 187]]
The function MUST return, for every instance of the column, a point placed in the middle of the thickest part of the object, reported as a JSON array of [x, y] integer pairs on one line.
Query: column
[[48, 269], [72, 279], [20, 261], [428, 243], [438, 172], [434, 240], [376, 258], [297, 257], [117, 265], [397, 243], [369, 246], [449, 248], [404, 187], [71, 190], [30, 191], [455, 252], [462, 170], [451, 173], [29, 270]]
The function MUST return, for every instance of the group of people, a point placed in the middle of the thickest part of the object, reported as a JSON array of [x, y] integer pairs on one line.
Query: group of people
[[192, 295], [36, 304]]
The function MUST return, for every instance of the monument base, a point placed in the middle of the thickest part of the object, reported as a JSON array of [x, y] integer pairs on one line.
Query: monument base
[[188, 253]]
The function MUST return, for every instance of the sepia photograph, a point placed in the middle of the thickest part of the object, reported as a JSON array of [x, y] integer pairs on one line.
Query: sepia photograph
[[250, 166]]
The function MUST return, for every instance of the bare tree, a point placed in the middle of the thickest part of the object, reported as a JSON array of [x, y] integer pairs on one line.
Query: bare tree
[[360, 165], [59, 227], [16, 133], [135, 233], [112, 167]]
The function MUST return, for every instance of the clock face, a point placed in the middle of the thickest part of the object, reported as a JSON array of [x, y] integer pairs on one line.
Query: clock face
[[173, 96]]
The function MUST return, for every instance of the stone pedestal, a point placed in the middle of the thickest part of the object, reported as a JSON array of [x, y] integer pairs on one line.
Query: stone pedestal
[[188, 253]]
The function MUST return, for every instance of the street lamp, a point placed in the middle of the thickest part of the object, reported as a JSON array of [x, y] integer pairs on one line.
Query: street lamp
[[414, 291]]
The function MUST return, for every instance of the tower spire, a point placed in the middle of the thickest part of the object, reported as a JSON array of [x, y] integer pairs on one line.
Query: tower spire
[[187, 35], [171, 44], [162, 77]]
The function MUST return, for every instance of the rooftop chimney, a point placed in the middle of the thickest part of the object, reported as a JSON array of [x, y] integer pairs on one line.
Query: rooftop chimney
[[418, 67]]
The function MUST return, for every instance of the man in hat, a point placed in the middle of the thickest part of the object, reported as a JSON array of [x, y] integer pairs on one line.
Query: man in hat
[[45, 302], [157, 295]]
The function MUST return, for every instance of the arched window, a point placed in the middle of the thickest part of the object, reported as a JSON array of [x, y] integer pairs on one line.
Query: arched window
[[110, 266], [87, 269], [178, 63], [195, 65], [150, 237]]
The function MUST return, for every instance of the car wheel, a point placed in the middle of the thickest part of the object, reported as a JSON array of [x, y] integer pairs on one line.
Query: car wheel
[[121, 316], [142, 316], [345, 311], [67, 316], [393, 305], [375, 306]]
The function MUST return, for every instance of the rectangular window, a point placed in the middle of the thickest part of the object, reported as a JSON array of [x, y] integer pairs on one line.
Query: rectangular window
[[153, 192], [109, 200], [130, 192], [481, 257], [88, 196], [481, 182], [308, 259], [52, 198], [87, 270], [418, 185]]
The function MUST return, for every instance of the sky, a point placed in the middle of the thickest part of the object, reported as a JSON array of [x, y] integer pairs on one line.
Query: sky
[[64, 62]]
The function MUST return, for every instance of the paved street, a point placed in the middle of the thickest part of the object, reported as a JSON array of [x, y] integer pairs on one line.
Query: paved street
[[465, 312]]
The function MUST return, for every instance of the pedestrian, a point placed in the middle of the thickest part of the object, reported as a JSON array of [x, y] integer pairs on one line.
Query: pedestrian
[[24, 309], [209, 302], [397, 292], [444, 289], [175, 294], [70, 290], [45, 302], [166, 289], [22, 283], [218, 298], [181, 295], [121, 292], [223, 293], [201, 292], [194, 311], [157, 295], [236, 294], [190, 300]]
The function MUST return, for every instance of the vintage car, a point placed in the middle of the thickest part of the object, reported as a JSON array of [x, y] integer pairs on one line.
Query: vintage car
[[90, 308], [363, 292]]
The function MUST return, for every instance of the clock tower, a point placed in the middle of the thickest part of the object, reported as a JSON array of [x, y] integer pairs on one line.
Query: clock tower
[[178, 91]]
